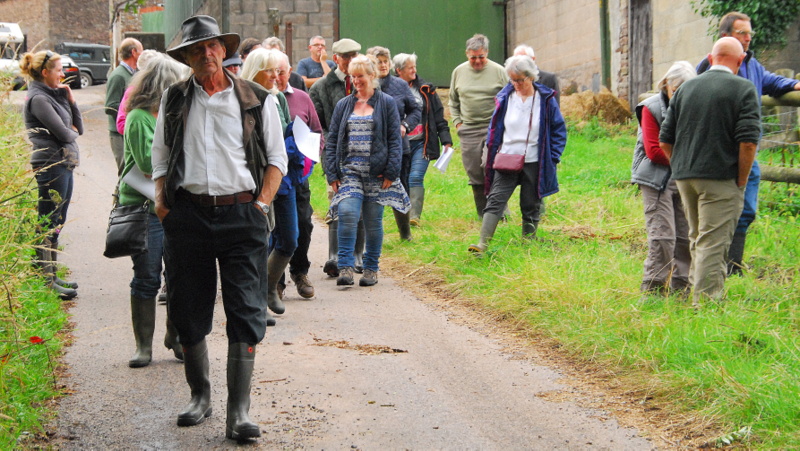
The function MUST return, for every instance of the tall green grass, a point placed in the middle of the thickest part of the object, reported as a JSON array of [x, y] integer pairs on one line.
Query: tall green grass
[[734, 364], [31, 316]]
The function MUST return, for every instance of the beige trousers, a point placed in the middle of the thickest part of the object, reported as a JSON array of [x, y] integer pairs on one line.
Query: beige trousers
[[712, 208]]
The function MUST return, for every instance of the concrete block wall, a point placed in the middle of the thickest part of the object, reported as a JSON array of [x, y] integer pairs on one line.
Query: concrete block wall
[[565, 35], [309, 18]]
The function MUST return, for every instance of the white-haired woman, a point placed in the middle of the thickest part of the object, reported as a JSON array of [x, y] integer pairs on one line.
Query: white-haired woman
[[262, 66], [667, 264], [363, 155], [526, 126], [410, 113], [428, 137], [142, 107]]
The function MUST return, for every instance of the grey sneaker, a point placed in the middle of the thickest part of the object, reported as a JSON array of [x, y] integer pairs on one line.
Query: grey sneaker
[[304, 287], [369, 278], [162, 295], [345, 276]]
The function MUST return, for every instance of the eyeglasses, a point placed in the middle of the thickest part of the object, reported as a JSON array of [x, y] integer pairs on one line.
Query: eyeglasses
[[47, 57], [318, 45], [478, 57], [270, 71], [347, 56], [745, 33], [280, 72], [519, 80]]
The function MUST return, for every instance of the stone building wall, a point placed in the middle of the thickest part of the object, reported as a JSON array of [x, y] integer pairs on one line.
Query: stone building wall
[[33, 17], [565, 36], [86, 21], [309, 18]]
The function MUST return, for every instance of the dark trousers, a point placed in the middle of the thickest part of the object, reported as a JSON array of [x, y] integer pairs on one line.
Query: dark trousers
[[196, 240], [56, 178], [503, 187], [299, 264]]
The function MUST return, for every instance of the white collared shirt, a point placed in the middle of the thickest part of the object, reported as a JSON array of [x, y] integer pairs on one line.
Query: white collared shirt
[[722, 68], [517, 132], [214, 154]]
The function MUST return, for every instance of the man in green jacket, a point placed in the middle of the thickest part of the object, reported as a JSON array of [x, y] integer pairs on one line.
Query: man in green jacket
[[129, 51], [710, 134]]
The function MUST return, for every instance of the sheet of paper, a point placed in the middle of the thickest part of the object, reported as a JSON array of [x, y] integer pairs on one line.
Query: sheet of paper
[[137, 180], [306, 140], [444, 159]]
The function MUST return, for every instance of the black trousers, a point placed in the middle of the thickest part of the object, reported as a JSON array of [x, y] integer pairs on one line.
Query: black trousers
[[299, 264], [503, 186], [196, 240]]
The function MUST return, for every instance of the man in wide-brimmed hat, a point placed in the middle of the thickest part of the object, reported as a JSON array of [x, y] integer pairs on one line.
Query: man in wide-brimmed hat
[[218, 159]]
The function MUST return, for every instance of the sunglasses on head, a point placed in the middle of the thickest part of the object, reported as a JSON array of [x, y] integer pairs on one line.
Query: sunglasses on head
[[47, 57]]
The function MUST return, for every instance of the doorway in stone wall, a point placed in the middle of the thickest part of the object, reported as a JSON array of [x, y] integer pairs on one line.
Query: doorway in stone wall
[[641, 49]]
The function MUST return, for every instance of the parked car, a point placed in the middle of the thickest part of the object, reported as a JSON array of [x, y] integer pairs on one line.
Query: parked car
[[72, 73], [94, 60]]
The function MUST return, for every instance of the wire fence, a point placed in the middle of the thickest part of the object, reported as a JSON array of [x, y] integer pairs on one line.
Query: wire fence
[[780, 146]]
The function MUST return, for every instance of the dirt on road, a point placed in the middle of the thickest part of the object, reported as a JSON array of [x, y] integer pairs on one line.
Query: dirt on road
[[357, 368]]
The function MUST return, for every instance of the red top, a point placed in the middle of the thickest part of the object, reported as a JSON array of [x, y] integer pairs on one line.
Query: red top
[[650, 131]]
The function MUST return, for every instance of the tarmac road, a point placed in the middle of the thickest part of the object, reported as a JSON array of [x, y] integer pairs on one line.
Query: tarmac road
[[320, 382]]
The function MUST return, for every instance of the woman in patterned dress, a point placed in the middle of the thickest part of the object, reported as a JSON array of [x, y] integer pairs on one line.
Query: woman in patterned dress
[[363, 156]]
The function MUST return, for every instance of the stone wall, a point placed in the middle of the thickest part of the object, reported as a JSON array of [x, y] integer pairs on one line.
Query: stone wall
[[33, 17], [86, 21], [309, 18]]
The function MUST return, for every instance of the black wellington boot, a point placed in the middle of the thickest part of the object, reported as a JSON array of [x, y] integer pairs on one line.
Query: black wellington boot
[[195, 365], [736, 254], [403, 221], [276, 265], [331, 267], [143, 316], [238, 425], [54, 256], [480, 199], [171, 340]]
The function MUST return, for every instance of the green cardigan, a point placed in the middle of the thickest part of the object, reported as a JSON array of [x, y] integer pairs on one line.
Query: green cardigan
[[140, 125]]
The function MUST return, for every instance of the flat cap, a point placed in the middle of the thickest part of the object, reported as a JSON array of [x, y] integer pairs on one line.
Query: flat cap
[[345, 45]]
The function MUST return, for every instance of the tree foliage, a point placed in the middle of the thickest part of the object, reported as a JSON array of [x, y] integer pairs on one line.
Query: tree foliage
[[770, 18]]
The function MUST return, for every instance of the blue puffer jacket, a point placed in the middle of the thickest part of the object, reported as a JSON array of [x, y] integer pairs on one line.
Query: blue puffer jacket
[[407, 107], [766, 82], [552, 138], [386, 154]]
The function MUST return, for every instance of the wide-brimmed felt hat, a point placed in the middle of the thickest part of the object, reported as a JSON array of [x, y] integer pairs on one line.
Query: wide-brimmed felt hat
[[202, 28]]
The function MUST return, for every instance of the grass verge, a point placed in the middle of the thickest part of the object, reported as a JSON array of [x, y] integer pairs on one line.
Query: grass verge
[[31, 317], [726, 371]]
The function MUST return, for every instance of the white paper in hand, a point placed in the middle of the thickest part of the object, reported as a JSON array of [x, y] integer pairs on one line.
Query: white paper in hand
[[306, 140], [140, 182], [444, 159]]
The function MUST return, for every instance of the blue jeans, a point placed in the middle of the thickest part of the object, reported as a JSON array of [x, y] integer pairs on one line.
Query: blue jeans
[[147, 265], [284, 237], [58, 178], [350, 210], [750, 199], [419, 164]]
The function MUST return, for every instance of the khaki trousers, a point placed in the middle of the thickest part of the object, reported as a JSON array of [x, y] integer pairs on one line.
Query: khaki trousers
[[473, 143], [712, 208]]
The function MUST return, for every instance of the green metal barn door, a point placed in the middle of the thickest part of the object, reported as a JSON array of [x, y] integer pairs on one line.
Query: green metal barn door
[[436, 30]]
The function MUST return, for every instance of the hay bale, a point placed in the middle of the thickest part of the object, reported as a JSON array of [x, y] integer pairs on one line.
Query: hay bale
[[606, 106]]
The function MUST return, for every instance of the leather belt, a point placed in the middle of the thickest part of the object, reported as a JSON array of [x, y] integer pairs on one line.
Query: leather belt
[[205, 200]]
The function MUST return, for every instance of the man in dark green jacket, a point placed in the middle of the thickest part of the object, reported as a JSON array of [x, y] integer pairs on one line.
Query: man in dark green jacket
[[129, 51], [710, 134]]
